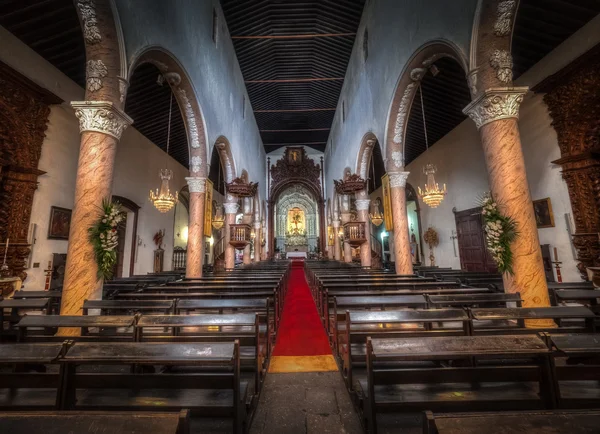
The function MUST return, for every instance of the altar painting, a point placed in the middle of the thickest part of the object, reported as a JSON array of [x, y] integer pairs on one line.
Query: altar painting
[[296, 222]]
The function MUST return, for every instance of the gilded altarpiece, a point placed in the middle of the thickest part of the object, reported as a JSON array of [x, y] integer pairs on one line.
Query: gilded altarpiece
[[573, 97], [24, 111]]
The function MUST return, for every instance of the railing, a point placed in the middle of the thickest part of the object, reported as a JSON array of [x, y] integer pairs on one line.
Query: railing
[[376, 246], [219, 249], [240, 235], [355, 233], [179, 258]]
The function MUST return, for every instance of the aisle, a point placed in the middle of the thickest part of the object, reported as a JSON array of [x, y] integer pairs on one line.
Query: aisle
[[302, 344]]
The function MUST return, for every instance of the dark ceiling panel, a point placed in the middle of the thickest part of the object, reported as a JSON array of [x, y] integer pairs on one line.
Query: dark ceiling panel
[[148, 105], [51, 28], [542, 25], [293, 56]]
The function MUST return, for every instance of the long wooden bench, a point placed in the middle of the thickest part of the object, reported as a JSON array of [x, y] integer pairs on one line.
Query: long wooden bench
[[129, 306], [113, 422], [493, 385], [15, 306], [474, 300], [108, 389], [529, 422], [417, 322], [54, 296], [43, 327]]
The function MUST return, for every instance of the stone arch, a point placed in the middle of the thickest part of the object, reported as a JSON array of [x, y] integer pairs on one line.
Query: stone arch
[[185, 95], [490, 59], [223, 146], [405, 92], [104, 51], [364, 154]]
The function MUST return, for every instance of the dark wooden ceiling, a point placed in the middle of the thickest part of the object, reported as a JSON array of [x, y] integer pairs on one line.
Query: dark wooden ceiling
[[293, 56], [542, 25], [51, 28], [148, 105]]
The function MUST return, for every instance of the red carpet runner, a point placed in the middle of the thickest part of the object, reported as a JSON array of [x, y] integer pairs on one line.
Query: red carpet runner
[[302, 344]]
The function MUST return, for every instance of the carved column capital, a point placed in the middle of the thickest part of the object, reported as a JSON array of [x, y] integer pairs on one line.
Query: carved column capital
[[398, 179], [231, 208], [196, 184], [257, 225], [362, 204], [336, 224], [102, 117], [495, 104]]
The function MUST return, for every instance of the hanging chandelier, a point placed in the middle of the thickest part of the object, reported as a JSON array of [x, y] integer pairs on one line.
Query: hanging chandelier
[[162, 199], [432, 195], [375, 214]]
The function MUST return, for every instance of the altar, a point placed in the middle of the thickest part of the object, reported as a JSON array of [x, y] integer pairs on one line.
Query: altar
[[295, 255]]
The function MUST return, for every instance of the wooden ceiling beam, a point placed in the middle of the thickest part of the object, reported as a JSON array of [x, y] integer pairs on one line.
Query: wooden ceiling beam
[[296, 80], [294, 131], [332, 109], [301, 36]]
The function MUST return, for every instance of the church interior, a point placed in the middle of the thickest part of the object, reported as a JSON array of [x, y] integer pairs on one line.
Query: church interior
[[283, 216]]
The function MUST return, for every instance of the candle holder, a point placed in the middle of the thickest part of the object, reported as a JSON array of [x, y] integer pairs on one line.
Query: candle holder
[[557, 267]]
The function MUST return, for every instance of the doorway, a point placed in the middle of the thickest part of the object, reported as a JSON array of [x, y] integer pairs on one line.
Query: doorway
[[127, 236], [471, 242]]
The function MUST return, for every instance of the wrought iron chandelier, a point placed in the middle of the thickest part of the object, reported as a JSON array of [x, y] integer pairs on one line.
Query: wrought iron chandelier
[[162, 199], [375, 214], [218, 219], [432, 195]]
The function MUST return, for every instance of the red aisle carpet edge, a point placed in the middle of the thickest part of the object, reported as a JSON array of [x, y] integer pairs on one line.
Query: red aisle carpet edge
[[300, 332]]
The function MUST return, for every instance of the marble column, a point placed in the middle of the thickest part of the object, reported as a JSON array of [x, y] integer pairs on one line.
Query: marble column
[[347, 248], [101, 124], [402, 254], [257, 238], [247, 220], [231, 209], [336, 241], [495, 113], [195, 244], [362, 211]]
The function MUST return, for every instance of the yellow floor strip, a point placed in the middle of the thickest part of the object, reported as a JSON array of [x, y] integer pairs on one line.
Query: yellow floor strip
[[281, 364]]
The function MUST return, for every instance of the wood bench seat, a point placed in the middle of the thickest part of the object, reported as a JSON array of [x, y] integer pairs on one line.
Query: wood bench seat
[[474, 300], [42, 327], [530, 422], [15, 306], [526, 383], [62, 422], [144, 306]]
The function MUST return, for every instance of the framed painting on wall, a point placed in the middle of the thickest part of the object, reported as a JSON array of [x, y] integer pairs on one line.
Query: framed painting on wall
[[387, 203], [208, 200], [60, 223], [544, 217]]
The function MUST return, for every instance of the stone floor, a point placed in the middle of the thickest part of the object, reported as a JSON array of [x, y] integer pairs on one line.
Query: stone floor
[[305, 403]]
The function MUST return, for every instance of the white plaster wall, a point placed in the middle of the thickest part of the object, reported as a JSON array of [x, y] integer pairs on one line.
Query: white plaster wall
[[181, 225], [461, 166], [397, 28], [184, 27]]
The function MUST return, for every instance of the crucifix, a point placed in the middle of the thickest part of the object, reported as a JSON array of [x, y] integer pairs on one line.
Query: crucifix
[[453, 237]]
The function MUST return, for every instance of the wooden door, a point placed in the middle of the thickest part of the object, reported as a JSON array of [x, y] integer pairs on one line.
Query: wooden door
[[471, 242], [121, 229]]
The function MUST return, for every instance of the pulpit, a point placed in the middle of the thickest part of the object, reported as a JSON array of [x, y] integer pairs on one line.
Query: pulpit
[[354, 233], [240, 236]]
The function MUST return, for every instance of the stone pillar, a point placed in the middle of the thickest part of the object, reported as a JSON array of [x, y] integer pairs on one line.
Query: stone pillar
[[336, 241], [231, 209], [195, 245], [101, 124], [347, 248], [257, 238], [495, 112], [247, 219], [362, 208], [402, 255]]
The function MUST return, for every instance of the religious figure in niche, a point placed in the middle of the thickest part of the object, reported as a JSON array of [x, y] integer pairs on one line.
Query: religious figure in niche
[[296, 222]]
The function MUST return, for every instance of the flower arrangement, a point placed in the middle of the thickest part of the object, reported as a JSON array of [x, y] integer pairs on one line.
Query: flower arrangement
[[104, 238], [500, 232]]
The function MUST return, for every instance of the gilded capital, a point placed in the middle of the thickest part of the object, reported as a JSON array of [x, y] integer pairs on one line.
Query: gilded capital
[[495, 104], [101, 117], [362, 204]]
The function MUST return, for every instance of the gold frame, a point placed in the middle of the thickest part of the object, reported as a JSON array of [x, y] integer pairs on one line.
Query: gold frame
[[387, 202], [548, 203], [208, 198]]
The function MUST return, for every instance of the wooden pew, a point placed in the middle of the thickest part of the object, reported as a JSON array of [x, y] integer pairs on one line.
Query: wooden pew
[[220, 364], [113, 422], [530, 422], [385, 388], [474, 300], [53, 295], [577, 369], [242, 327], [394, 323], [143, 306], [15, 305], [587, 297], [29, 327], [20, 389], [512, 320]]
